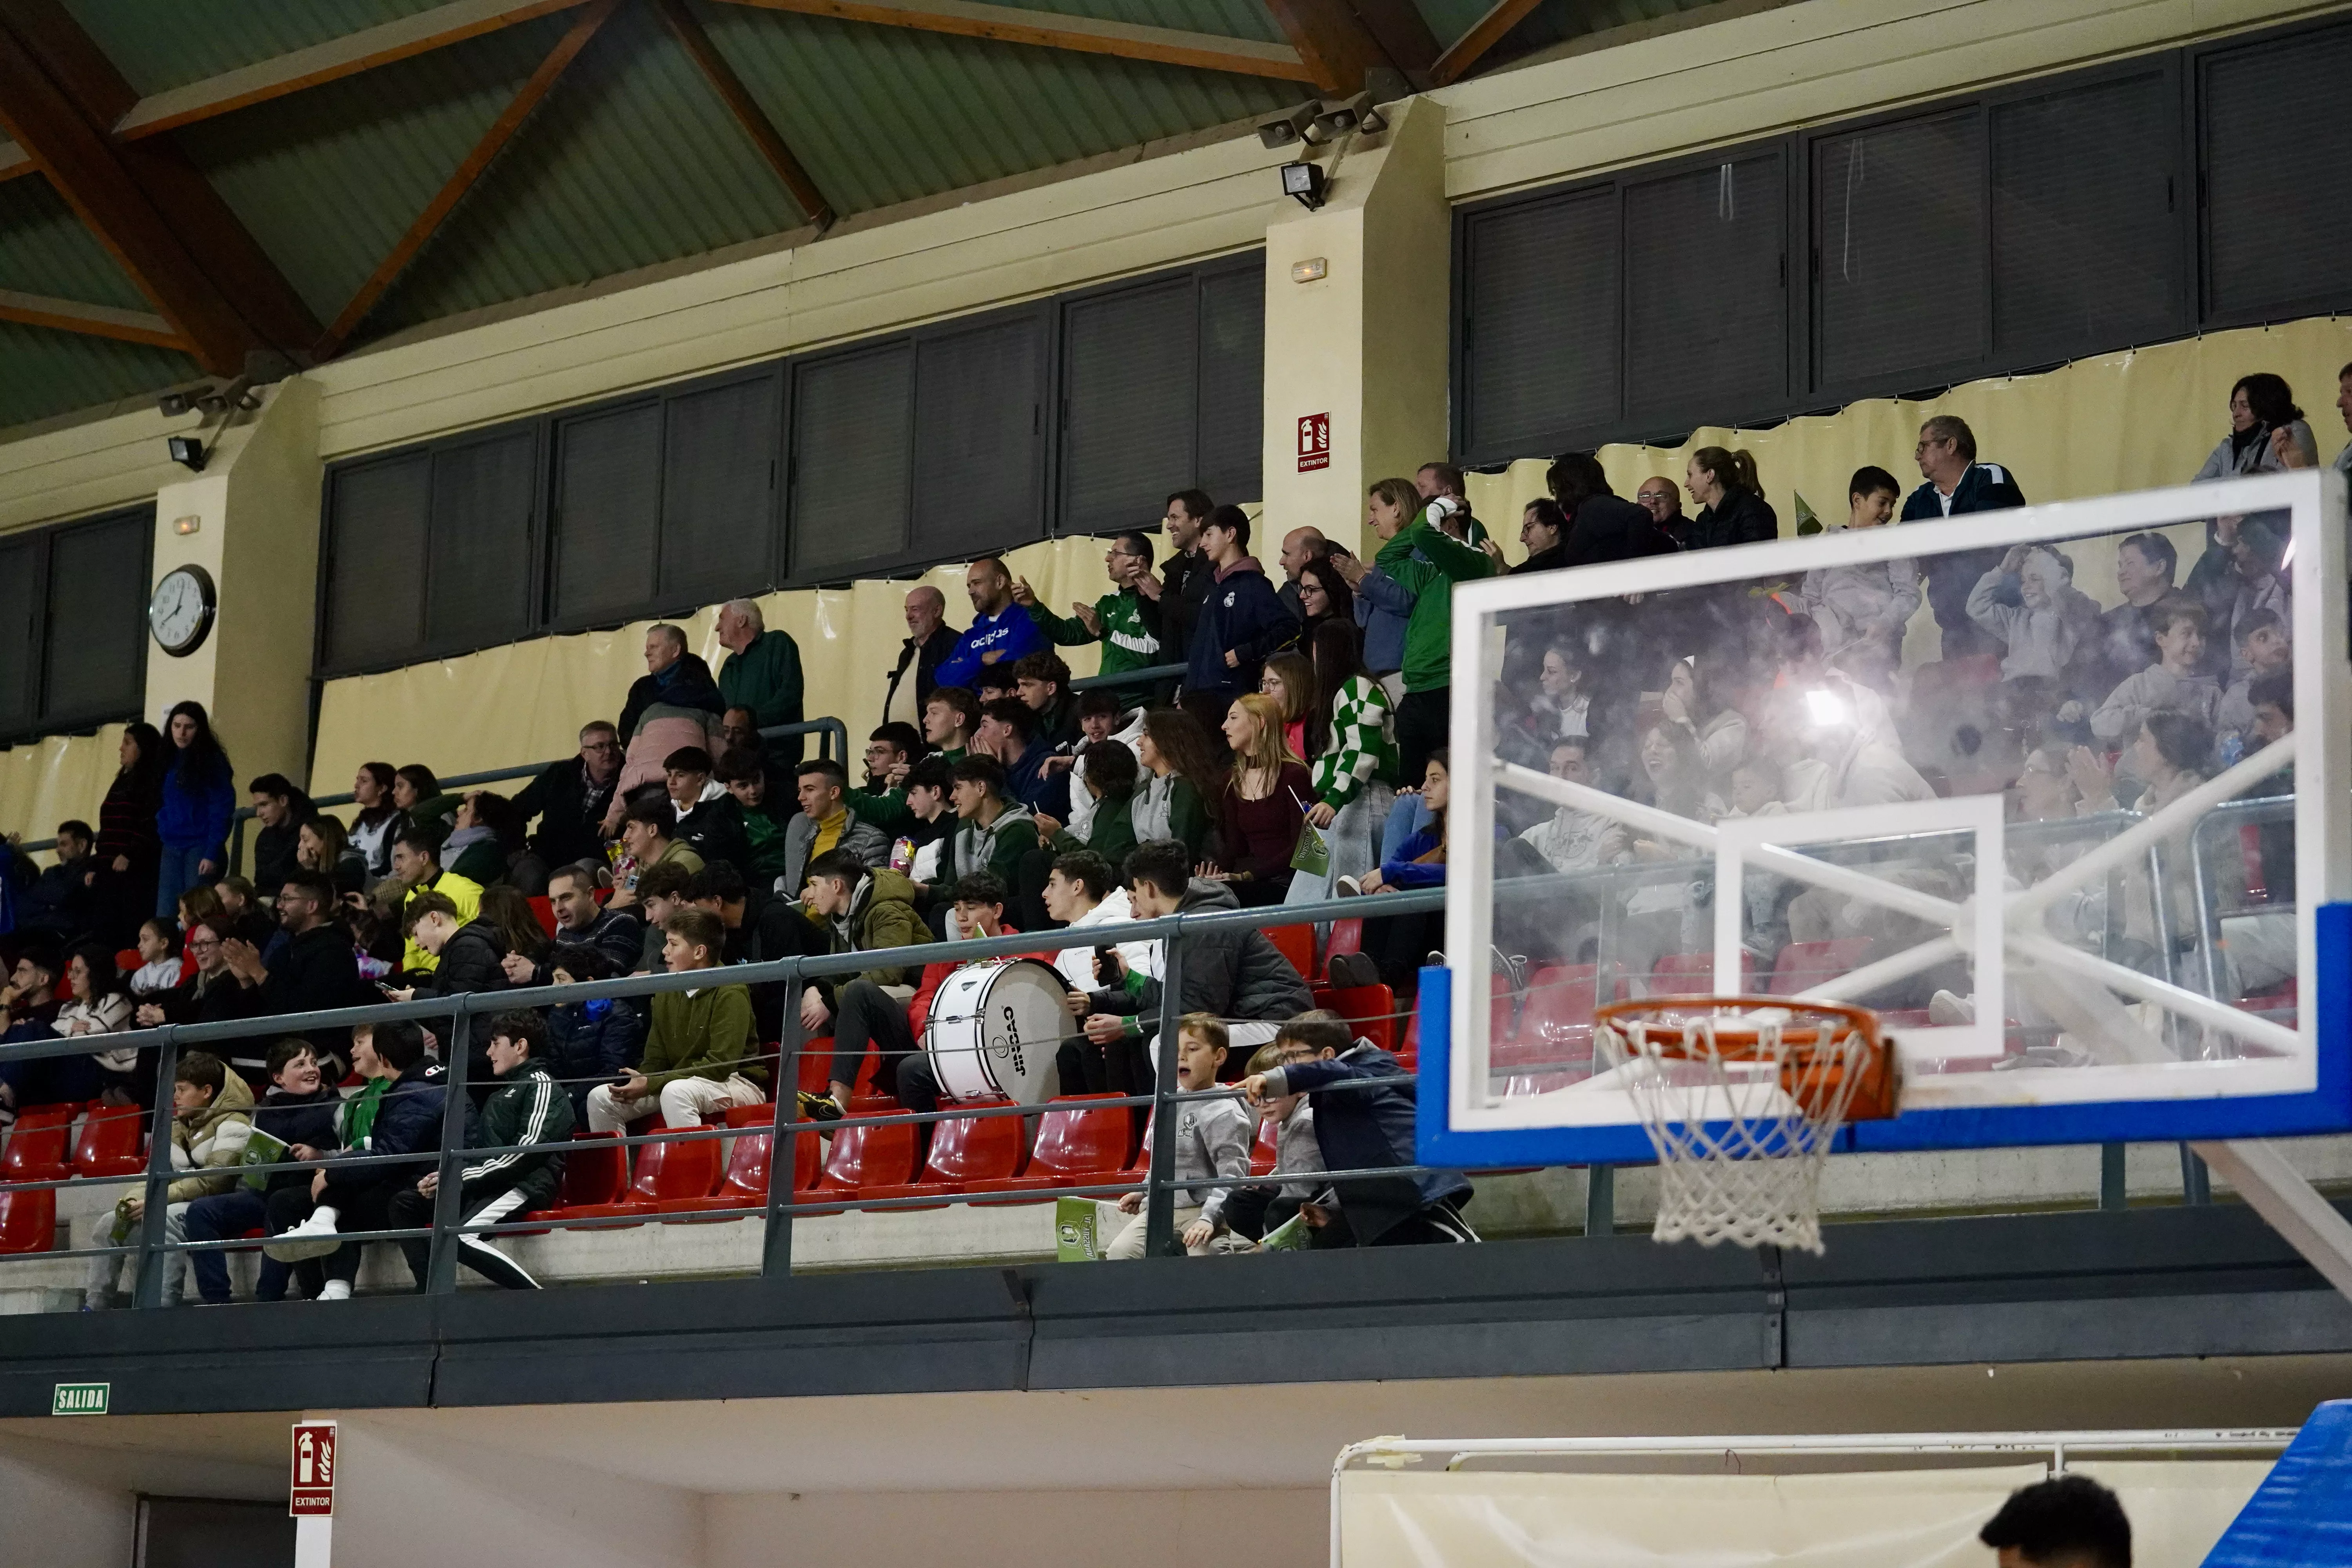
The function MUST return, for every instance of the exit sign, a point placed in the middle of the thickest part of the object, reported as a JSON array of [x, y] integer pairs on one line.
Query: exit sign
[[80, 1398], [1314, 442]]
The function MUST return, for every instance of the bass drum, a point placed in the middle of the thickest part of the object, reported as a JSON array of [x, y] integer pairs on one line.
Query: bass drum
[[994, 1030]]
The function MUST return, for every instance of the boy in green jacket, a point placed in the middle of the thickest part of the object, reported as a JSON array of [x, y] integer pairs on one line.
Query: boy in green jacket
[[694, 1063], [1426, 563]]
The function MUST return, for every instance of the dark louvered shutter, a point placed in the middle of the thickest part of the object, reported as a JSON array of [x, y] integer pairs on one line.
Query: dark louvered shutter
[[2278, 161], [478, 585], [718, 466], [1129, 389], [852, 421], [1899, 249], [96, 620], [2085, 242], [1230, 463], [375, 562], [1541, 340], [1706, 338], [979, 430], [20, 589], [607, 512]]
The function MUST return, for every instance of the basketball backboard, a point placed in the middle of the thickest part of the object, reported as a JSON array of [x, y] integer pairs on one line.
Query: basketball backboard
[[2081, 841]]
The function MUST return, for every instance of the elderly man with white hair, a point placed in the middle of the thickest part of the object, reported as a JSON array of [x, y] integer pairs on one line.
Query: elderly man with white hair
[[929, 639], [762, 672]]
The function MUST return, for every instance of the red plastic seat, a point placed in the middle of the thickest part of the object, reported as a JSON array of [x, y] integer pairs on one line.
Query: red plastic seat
[[127, 960], [1295, 943], [687, 1169], [109, 1143], [1347, 936], [37, 1149], [816, 1067], [596, 1176], [965, 1152], [29, 1221], [745, 1186], [1693, 975], [1370, 1010], [1808, 964], [882, 1155], [1556, 1026], [545, 910], [1265, 1150], [1078, 1145]]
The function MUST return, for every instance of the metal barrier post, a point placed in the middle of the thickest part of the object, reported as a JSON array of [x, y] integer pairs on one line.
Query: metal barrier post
[[1158, 1193], [147, 1289], [236, 840], [2196, 1181], [784, 1144], [2111, 1177], [441, 1272], [1601, 1200]]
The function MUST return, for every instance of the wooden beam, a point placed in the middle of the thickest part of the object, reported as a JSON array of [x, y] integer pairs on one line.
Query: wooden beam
[[1053, 30], [444, 24], [748, 114], [82, 167], [1332, 42], [1485, 33], [453, 191], [92, 320]]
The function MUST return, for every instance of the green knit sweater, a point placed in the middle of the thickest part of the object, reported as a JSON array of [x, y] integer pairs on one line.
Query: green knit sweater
[[1363, 743], [1429, 576]]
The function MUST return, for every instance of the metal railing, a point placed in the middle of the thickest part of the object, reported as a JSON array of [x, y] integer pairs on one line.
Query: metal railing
[[1150, 674], [153, 1251]]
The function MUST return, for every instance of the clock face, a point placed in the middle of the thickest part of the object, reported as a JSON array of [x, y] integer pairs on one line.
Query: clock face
[[180, 612]]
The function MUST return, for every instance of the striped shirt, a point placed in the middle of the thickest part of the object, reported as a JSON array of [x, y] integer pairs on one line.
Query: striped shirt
[[1362, 748]]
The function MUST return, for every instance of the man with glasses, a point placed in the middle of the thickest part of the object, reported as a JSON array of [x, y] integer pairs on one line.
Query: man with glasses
[[1663, 499], [569, 799], [1956, 483], [1124, 621], [316, 969]]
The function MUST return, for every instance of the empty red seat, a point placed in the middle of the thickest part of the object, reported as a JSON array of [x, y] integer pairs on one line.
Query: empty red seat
[[965, 1152], [109, 1143], [745, 1184], [881, 1155], [29, 1221], [1555, 1027], [37, 1149], [127, 959], [1265, 1150], [1370, 1012], [1295, 943], [1693, 975], [665, 1172], [1802, 964], [816, 1067], [1078, 1145], [545, 911], [1347, 936]]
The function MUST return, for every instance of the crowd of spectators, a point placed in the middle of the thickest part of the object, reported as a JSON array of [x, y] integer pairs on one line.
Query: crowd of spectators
[[1300, 754]]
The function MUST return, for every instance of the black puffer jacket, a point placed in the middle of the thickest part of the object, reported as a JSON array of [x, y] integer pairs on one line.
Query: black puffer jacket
[[1742, 517], [1233, 972]]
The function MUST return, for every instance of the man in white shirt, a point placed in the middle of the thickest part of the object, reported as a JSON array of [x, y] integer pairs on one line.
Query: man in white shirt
[[1083, 892]]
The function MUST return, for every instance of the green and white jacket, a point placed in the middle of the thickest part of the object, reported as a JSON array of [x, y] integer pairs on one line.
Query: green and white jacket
[[1130, 634], [1363, 743]]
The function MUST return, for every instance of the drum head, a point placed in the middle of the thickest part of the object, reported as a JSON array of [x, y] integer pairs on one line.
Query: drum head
[[1014, 1025]]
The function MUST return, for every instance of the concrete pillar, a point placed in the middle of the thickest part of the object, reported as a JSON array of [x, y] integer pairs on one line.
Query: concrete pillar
[[1365, 344], [255, 511]]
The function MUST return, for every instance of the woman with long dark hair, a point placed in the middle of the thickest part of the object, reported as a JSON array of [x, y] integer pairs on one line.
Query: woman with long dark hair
[[1183, 772], [1351, 752], [2261, 405], [128, 847], [194, 809], [1111, 773], [1325, 595], [378, 821]]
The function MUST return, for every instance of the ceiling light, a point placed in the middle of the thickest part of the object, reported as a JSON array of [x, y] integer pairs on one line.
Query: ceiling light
[[1303, 182]]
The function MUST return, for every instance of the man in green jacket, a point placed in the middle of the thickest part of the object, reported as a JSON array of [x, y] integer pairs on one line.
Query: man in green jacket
[[1125, 622], [762, 672], [696, 1049], [1426, 563]]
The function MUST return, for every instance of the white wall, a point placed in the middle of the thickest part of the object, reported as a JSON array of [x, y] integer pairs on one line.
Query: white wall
[[1228, 1529]]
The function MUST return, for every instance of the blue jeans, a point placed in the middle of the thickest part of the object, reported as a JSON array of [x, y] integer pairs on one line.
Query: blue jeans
[[225, 1217], [176, 873]]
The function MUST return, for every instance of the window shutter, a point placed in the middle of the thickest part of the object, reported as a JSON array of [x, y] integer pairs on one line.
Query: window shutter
[[607, 510], [1899, 239], [479, 582], [1230, 463], [1129, 388], [375, 562], [2087, 253], [20, 603], [719, 464], [97, 619], [1541, 355], [2278, 159], [979, 431], [1707, 323], [851, 462]]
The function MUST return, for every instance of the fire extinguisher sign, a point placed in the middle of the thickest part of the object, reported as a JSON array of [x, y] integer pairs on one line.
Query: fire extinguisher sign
[[312, 1491], [1314, 442]]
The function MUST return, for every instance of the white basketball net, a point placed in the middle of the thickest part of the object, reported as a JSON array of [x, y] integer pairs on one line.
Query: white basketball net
[[1739, 1159]]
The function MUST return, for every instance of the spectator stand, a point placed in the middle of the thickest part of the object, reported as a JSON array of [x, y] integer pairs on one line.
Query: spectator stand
[[669, 1186]]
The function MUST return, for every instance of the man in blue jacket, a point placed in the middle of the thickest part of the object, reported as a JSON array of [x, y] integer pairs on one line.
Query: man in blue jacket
[[1000, 632], [1956, 483], [1364, 1103], [1242, 622]]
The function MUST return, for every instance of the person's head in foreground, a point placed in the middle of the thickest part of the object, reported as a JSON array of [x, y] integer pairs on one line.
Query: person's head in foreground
[[2071, 1521]]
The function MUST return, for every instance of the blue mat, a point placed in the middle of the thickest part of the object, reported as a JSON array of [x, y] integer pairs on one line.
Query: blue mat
[[2303, 1514]]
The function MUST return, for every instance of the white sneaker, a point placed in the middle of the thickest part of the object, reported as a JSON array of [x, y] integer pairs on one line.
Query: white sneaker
[[314, 1238], [1946, 1010]]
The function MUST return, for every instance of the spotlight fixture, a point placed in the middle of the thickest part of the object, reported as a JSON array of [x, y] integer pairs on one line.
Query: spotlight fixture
[[172, 405], [1303, 182], [1357, 114], [1290, 127], [187, 451]]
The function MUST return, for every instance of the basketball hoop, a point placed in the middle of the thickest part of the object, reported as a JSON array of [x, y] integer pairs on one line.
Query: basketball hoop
[[1742, 1098]]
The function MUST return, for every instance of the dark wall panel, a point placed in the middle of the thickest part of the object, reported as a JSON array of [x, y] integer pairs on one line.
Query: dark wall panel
[[2278, 161], [1898, 237], [1706, 316], [1129, 390], [480, 584], [851, 471], [718, 470], [980, 434], [1541, 336], [374, 562], [607, 512], [1231, 464], [20, 605], [96, 620]]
